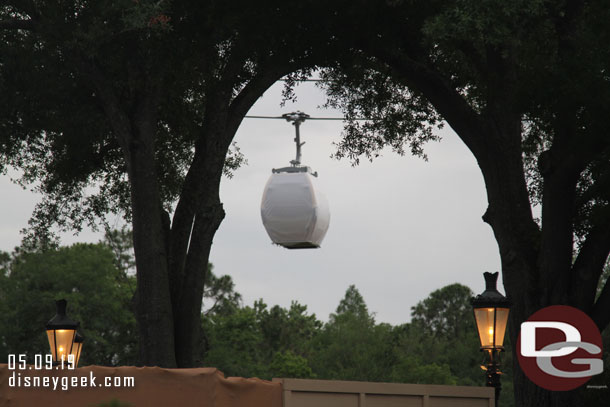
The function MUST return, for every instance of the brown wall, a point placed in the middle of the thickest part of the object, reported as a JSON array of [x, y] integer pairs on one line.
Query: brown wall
[[207, 387], [153, 387], [330, 393]]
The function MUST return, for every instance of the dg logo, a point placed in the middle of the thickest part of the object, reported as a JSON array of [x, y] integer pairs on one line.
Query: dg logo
[[560, 348]]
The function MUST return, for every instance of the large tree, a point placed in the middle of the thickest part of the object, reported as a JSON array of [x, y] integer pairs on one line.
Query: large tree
[[159, 92], [524, 84], [130, 107]]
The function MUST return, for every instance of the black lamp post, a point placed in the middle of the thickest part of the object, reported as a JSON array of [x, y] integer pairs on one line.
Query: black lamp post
[[61, 331], [491, 315]]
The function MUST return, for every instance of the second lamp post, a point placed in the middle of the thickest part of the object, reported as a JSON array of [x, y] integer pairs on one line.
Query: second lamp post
[[491, 315]]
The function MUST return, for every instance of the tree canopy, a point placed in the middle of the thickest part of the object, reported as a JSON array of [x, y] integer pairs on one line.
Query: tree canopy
[[141, 101], [446, 312]]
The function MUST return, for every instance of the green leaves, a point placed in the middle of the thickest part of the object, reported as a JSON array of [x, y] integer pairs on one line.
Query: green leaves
[[234, 343], [256, 341], [287, 364], [219, 296], [98, 296], [396, 116], [352, 304], [446, 313]]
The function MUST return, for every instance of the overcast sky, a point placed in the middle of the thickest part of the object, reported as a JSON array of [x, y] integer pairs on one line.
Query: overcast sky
[[400, 227]]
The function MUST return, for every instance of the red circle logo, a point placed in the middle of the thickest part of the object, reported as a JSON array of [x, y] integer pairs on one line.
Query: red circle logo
[[559, 348]]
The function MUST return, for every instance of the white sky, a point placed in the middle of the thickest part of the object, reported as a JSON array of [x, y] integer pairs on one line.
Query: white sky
[[400, 227]]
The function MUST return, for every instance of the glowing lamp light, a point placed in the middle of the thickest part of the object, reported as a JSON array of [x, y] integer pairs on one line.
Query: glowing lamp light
[[61, 332], [491, 315], [77, 348]]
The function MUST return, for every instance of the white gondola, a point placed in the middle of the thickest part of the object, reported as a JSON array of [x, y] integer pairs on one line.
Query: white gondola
[[295, 212]]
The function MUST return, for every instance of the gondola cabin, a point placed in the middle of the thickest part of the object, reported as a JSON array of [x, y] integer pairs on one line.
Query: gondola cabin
[[295, 212]]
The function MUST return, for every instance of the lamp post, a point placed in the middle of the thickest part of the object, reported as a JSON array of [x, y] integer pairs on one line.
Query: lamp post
[[61, 331], [491, 315]]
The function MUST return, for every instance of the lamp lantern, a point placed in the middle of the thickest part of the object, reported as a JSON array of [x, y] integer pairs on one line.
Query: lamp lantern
[[77, 347], [491, 315], [61, 331]]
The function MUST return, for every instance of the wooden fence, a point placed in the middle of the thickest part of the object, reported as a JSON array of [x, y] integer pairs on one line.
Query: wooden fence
[[331, 393]]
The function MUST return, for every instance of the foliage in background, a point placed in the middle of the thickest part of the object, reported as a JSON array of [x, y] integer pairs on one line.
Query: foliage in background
[[221, 293], [98, 294], [439, 345], [120, 241], [113, 403]]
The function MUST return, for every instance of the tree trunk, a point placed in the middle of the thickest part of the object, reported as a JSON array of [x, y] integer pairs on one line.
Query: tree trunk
[[135, 132], [152, 301], [207, 216], [197, 217], [199, 211], [172, 256], [527, 394], [188, 319]]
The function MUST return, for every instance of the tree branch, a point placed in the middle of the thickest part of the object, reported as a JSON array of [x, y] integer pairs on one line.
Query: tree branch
[[601, 310], [560, 167], [200, 180], [494, 138], [451, 105], [16, 24], [587, 270], [251, 93], [110, 103], [207, 221]]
